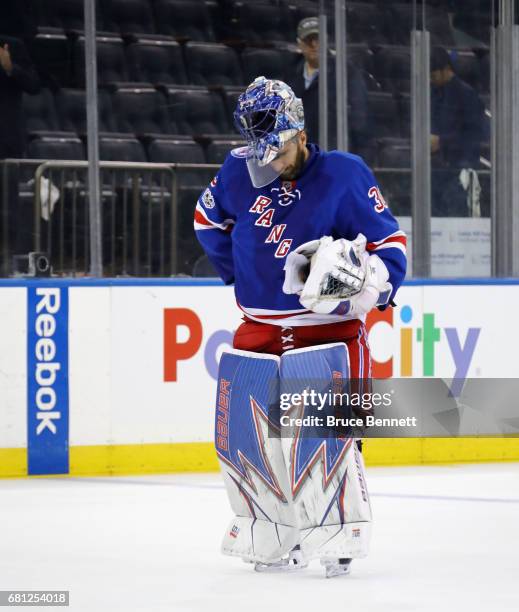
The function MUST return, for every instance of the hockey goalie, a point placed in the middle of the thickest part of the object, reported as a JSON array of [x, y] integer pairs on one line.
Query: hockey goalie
[[311, 247]]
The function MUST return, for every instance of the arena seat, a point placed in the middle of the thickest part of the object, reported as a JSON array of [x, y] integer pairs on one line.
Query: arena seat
[[399, 23], [268, 62], [360, 55], [365, 23], [259, 23], [218, 149], [53, 58], [118, 148], [56, 148], [197, 112], [394, 153], [111, 61], [157, 62], [71, 104], [392, 68], [184, 20], [129, 16], [383, 112], [40, 113], [60, 15], [212, 64], [176, 150], [186, 151], [142, 111]]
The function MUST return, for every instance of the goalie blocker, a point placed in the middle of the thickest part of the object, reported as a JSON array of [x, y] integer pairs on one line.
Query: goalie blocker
[[305, 489]]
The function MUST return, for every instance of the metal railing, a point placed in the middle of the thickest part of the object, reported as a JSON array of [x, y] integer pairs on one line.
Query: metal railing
[[147, 212], [141, 229]]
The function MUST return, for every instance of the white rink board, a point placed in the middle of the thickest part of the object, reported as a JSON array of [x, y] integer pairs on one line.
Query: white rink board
[[13, 367], [144, 406], [117, 387]]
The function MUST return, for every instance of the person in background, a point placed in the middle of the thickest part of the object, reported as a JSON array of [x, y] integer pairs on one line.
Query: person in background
[[303, 78], [17, 76], [457, 129]]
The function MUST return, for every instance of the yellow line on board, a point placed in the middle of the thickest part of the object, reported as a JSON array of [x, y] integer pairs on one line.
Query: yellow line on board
[[427, 451], [13, 462], [105, 460], [143, 459]]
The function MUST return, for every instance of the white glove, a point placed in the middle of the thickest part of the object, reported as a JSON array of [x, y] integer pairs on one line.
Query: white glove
[[297, 265], [337, 273], [344, 279], [376, 291]]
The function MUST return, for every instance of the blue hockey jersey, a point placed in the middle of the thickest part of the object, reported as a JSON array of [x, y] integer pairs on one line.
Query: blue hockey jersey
[[248, 232]]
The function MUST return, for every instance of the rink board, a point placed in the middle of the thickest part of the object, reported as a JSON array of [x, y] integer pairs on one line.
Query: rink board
[[131, 384]]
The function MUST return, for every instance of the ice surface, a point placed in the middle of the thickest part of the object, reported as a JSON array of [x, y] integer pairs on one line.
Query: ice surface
[[444, 538]]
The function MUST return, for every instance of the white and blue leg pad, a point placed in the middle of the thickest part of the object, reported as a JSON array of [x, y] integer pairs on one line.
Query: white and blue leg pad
[[308, 488], [326, 470], [251, 458]]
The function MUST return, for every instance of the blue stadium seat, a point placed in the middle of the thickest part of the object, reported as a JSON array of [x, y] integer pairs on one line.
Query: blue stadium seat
[[129, 16], [399, 23], [53, 58], [360, 55], [142, 111], [260, 23], [365, 23], [218, 149], [157, 62], [270, 63], [197, 112], [184, 20], [384, 113], [111, 61], [40, 113], [181, 151], [71, 104], [56, 148], [119, 148], [212, 64], [392, 68], [60, 15], [394, 153]]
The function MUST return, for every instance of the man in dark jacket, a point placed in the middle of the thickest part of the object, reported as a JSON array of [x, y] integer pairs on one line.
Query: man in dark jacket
[[303, 78], [17, 75], [457, 129]]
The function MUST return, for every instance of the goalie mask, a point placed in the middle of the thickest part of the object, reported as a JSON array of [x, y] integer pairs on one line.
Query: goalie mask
[[268, 115]]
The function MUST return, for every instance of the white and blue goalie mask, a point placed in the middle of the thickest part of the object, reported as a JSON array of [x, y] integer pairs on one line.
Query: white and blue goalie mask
[[268, 115]]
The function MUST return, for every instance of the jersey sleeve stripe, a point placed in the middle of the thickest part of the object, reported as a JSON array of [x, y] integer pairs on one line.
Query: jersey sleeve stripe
[[390, 245], [397, 240], [202, 221]]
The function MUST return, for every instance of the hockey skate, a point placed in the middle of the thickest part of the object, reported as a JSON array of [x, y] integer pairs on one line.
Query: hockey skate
[[294, 561], [336, 567]]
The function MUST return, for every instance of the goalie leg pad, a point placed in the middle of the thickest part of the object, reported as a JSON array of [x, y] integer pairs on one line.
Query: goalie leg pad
[[251, 458], [326, 470]]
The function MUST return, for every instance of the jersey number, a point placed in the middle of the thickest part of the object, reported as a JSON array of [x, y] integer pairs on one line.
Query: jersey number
[[380, 203]]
